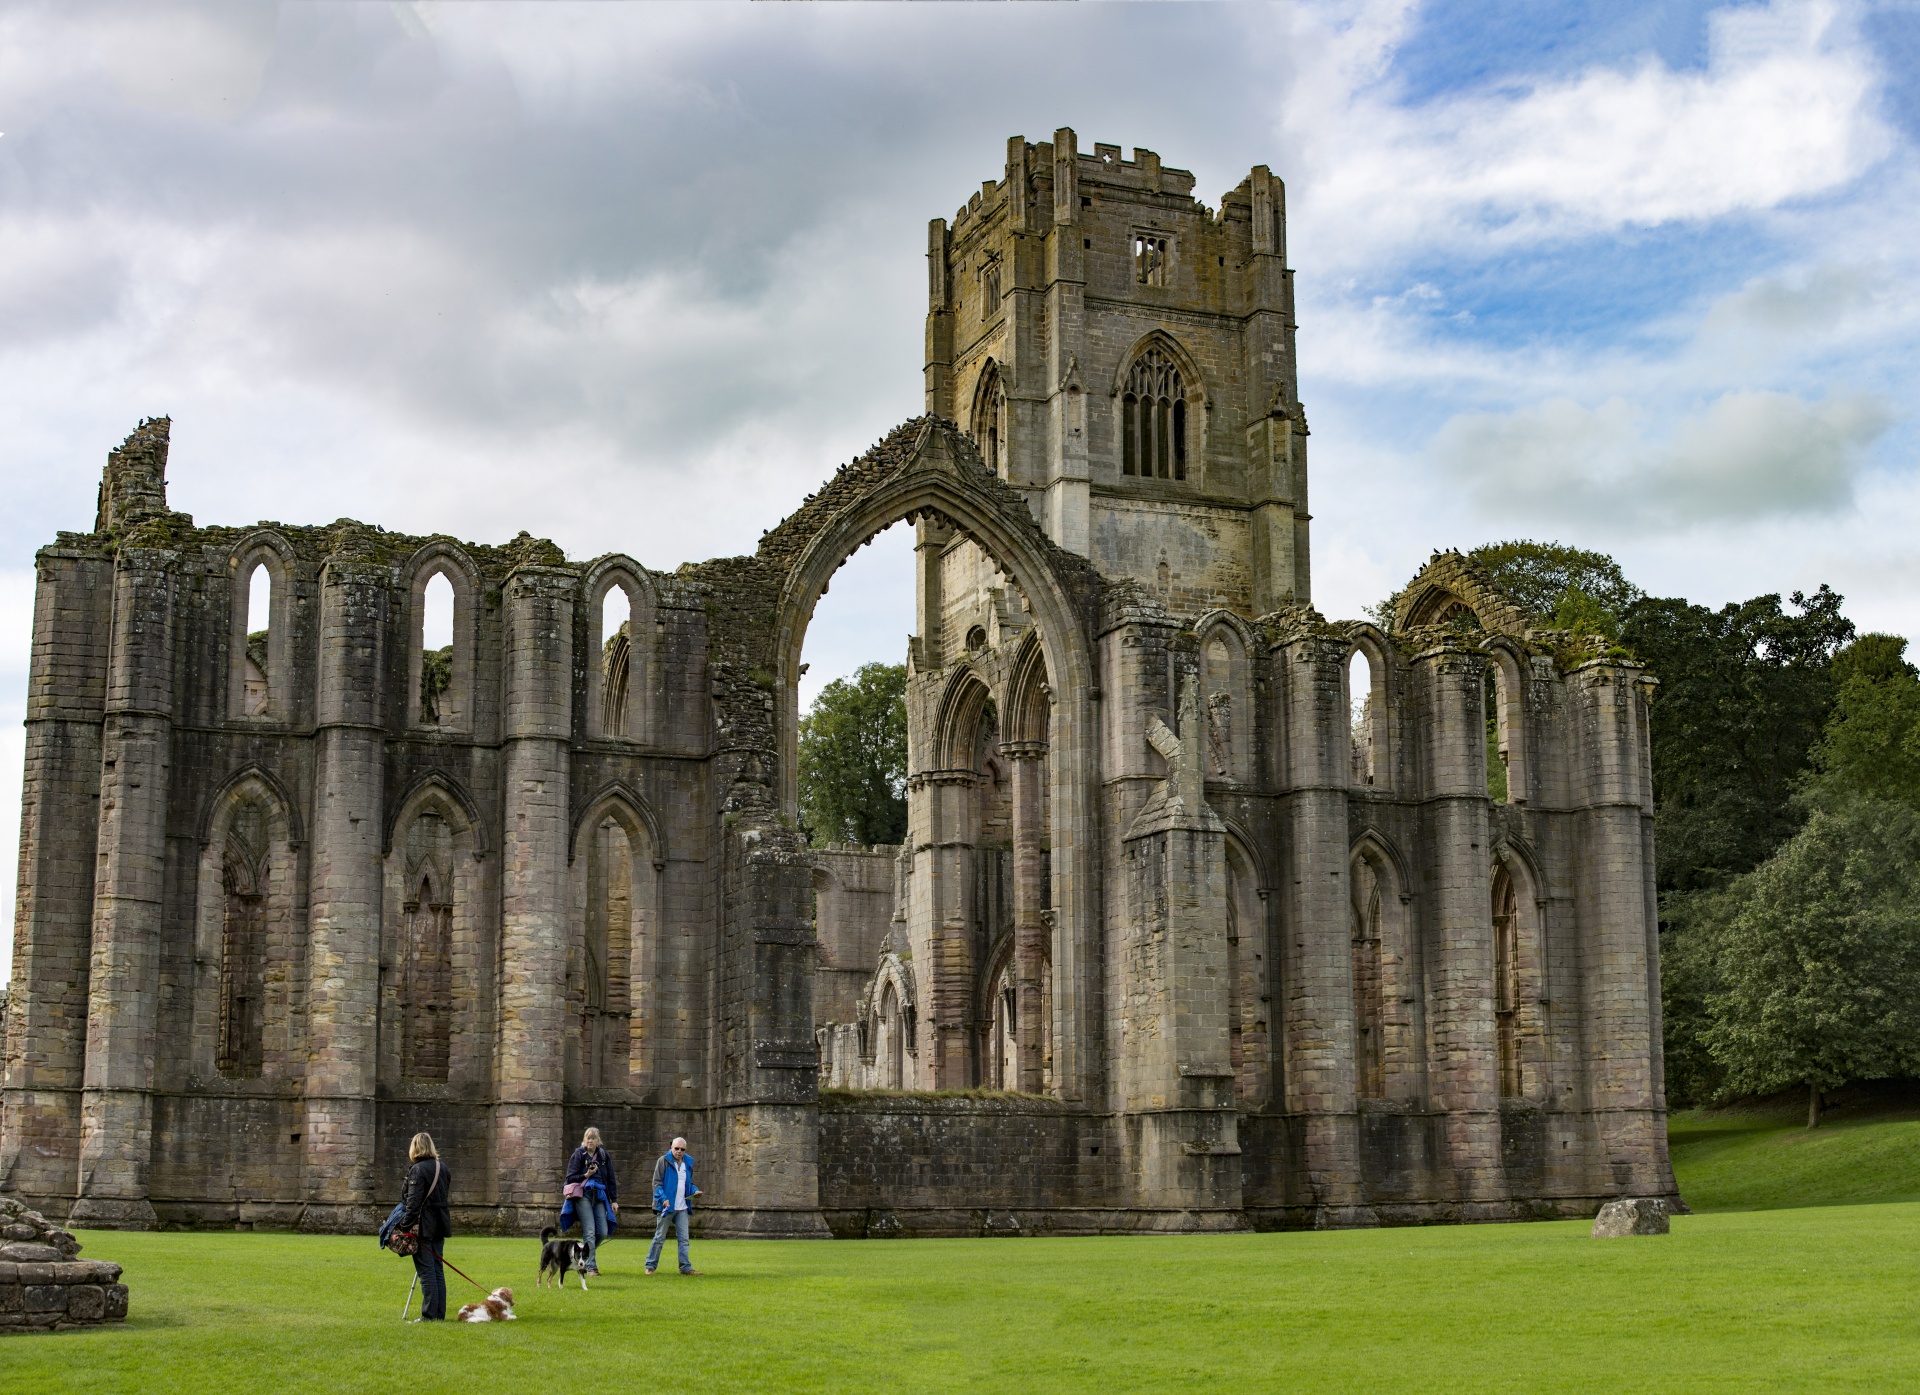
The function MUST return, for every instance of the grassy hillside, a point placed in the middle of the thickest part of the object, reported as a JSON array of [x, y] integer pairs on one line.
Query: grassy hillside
[[1762, 1156], [1812, 1299]]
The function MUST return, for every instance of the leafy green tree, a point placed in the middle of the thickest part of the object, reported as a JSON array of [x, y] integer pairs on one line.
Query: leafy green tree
[[1744, 694], [1818, 968], [853, 759], [1580, 590], [1872, 742]]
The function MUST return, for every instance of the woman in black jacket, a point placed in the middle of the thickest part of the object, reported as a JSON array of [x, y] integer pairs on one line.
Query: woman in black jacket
[[425, 1199], [591, 1170]]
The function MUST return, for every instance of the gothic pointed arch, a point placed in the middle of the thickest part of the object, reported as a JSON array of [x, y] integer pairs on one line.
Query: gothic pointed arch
[[248, 951], [441, 684], [928, 469], [436, 781], [434, 959], [613, 955], [1226, 694], [1520, 971], [1453, 589], [1388, 974], [987, 422], [620, 692], [253, 771], [260, 664]]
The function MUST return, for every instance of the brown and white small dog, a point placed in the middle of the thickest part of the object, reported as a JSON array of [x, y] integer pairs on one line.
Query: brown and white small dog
[[495, 1307]]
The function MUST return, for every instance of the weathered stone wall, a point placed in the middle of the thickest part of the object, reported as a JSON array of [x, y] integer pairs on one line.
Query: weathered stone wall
[[44, 1285]]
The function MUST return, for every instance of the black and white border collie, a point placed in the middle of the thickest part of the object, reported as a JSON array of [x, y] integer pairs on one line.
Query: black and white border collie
[[557, 1256]]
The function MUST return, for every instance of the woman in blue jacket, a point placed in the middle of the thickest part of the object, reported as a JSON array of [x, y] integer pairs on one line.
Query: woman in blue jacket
[[597, 1202]]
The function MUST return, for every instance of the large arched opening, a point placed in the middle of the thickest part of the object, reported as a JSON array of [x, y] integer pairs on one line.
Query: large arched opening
[[1018, 707]]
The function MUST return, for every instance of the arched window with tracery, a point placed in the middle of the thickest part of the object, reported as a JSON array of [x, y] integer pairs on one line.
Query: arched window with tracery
[[243, 878], [1153, 419]]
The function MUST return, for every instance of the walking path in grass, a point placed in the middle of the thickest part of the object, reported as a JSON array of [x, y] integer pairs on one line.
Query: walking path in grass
[[1812, 1299]]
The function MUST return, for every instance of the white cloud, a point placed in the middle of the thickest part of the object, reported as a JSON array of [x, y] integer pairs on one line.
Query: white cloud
[[1785, 109], [1748, 455]]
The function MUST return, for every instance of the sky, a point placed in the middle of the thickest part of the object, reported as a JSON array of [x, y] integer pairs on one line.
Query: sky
[[1633, 276]]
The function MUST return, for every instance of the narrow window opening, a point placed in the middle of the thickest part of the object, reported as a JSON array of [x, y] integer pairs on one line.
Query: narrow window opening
[[1180, 438], [1360, 700], [1497, 749], [1130, 432], [990, 290], [1150, 259], [616, 660], [436, 651], [258, 685]]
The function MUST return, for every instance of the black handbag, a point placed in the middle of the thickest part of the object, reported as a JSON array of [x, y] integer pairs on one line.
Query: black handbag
[[406, 1242]]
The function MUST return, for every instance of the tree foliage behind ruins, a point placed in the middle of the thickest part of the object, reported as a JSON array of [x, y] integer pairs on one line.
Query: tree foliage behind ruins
[[853, 759]]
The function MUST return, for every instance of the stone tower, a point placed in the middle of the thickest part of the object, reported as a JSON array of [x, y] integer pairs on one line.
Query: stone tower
[[1124, 356]]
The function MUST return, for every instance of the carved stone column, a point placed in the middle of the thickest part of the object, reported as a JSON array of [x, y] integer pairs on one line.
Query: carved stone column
[[1464, 1064], [344, 920], [116, 1109], [530, 1068], [1031, 933], [1176, 1071]]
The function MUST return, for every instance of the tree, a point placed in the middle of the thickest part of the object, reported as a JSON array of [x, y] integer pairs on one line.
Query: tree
[[853, 759], [1872, 742], [1744, 694], [1579, 590], [1818, 968]]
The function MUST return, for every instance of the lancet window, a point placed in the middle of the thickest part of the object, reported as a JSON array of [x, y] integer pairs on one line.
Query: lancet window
[[243, 950], [1506, 981], [990, 419], [426, 994], [1153, 419], [1369, 997]]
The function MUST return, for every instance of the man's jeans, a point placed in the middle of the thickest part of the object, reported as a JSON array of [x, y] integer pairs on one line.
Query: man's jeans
[[678, 1220], [593, 1225]]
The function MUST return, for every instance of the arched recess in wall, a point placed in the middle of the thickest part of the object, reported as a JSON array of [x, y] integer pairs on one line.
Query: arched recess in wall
[[988, 419], [622, 669], [249, 944], [1250, 975], [1371, 710], [1509, 773], [613, 954], [441, 682], [1160, 411], [939, 476], [889, 1026], [1389, 976], [1226, 695], [1520, 1004], [1026, 729], [260, 660], [434, 958]]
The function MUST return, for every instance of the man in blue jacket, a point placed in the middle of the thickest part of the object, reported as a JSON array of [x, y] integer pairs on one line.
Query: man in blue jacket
[[673, 1193]]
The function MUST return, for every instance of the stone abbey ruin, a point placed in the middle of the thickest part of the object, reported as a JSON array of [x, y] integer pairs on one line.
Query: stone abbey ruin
[[1177, 940]]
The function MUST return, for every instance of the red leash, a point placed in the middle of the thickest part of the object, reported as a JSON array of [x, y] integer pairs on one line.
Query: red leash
[[444, 1260]]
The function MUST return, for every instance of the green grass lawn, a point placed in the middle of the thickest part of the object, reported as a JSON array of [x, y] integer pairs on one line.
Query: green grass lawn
[[1762, 1157], [1778, 1300]]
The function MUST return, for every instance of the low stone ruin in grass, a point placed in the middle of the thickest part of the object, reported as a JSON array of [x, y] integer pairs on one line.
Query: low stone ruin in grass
[[44, 1286]]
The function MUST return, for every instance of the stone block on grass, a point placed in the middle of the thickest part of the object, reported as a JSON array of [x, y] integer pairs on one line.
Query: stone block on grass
[[1631, 1215]]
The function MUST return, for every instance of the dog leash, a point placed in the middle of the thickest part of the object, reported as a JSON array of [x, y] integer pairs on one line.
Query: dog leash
[[444, 1260]]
